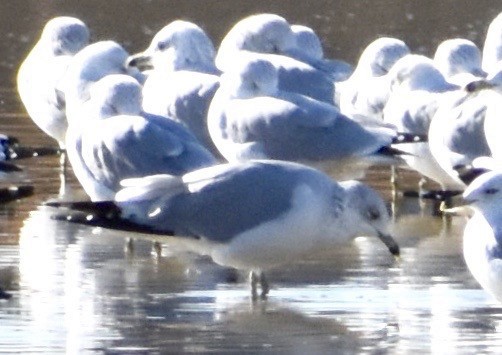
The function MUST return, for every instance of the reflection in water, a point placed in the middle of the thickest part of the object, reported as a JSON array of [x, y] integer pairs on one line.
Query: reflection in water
[[79, 289]]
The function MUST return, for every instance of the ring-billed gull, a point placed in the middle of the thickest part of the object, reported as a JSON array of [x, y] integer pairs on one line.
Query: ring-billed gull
[[251, 216], [457, 132], [418, 88], [39, 74], [115, 140], [482, 233], [459, 60], [363, 96], [183, 78], [251, 118], [269, 37]]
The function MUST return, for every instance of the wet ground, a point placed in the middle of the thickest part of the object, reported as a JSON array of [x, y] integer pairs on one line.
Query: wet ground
[[76, 289]]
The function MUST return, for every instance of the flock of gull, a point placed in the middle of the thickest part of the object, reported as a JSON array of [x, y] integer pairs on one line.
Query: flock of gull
[[238, 149]]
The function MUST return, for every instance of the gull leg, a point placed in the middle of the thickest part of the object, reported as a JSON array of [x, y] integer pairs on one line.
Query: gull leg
[[157, 247], [253, 280], [63, 162], [129, 246], [394, 179], [265, 287]]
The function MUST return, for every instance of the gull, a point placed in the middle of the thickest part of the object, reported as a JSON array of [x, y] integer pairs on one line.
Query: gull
[[417, 90], [40, 73], [252, 216], [270, 37], [363, 96], [482, 235], [92, 63], [116, 140], [458, 134], [459, 60], [492, 47], [183, 77], [251, 118]]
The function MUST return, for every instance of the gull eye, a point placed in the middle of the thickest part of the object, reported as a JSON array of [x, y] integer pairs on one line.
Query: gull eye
[[373, 214], [491, 191], [161, 46]]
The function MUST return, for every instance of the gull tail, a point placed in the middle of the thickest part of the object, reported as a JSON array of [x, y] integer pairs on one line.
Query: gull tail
[[105, 214], [22, 152], [11, 149], [391, 151], [467, 173], [401, 138], [12, 193], [9, 167]]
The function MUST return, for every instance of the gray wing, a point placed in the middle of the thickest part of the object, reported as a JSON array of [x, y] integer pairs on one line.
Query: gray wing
[[296, 128], [125, 147], [237, 198], [190, 103], [465, 136]]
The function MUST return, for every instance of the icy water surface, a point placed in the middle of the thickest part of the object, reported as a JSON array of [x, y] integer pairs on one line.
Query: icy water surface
[[76, 289]]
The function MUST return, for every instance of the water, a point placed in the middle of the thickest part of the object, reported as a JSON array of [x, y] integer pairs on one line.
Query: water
[[76, 289]]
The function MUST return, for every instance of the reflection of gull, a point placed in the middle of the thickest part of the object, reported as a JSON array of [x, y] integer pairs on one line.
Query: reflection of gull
[[88, 66], [250, 118], [418, 88], [115, 140], [184, 77], [251, 216], [482, 234], [459, 60], [43, 68], [270, 37], [492, 48], [365, 93]]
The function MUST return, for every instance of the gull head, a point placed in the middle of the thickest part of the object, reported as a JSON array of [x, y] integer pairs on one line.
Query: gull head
[[65, 35], [458, 55], [91, 64], [181, 45], [250, 77], [116, 94], [417, 72], [308, 41], [380, 56], [368, 214], [262, 33], [485, 192]]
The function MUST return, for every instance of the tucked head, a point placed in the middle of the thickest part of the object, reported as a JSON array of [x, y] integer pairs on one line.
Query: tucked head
[[308, 41], [91, 64], [263, 33], [116, 94], [417, 72], [250, 77], [458, 55], [380, 56], [65, 35]]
